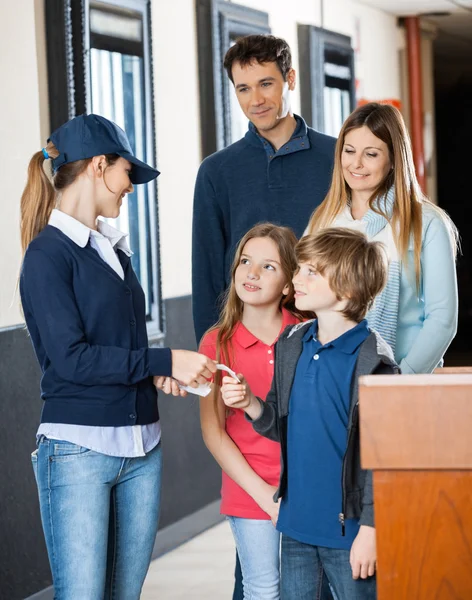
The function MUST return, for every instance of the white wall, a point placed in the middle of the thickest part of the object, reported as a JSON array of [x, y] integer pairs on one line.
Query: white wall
[[20, 138], [178, 136], [376, 36]]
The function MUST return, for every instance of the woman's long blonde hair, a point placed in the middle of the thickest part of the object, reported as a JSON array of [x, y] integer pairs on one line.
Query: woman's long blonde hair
[[232, 310], [386, 123]]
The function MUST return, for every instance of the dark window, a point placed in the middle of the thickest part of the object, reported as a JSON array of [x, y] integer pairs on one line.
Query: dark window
[[105, 49], [219, 25], [327, 82]]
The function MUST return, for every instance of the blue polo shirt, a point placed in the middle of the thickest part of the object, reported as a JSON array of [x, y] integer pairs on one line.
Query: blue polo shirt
[[317, 440]]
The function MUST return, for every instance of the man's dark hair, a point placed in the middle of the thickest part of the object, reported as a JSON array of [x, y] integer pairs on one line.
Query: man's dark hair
[[259, 48]]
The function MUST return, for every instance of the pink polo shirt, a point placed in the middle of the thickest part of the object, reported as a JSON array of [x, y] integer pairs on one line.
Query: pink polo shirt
[[255, 360]]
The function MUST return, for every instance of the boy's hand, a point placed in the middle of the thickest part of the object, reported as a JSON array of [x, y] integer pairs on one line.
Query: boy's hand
[[363, 556], [235, 394], [238, 395]]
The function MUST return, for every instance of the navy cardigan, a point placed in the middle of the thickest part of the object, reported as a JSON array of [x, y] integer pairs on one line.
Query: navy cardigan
[[88, 329]]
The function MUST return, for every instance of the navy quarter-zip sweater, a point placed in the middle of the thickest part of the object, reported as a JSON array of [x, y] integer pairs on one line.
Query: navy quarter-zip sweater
[[88, 329], [248, 183]]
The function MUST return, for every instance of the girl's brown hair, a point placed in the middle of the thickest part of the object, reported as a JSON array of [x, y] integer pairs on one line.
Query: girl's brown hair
[[232, 311], [386, 123], [40, 194]]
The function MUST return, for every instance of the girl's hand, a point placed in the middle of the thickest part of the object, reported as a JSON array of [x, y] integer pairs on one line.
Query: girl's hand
[[169, 386], [363, 556], [192, 368], [273, 512], [268, 505]]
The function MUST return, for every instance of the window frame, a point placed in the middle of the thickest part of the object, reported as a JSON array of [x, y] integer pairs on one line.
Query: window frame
[[69, 83], [312, 42], [218, 22]]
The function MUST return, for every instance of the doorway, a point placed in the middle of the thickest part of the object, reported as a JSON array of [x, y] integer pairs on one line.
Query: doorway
[[453, 100]]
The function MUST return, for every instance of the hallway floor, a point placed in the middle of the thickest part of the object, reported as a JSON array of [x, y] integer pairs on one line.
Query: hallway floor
[[202, 568]]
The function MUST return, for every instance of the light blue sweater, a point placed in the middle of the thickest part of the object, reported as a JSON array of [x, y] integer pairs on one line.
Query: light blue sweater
[[428, 324], [419, 327]]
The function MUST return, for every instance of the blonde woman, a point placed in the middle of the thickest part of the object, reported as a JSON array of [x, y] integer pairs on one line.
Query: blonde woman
[[374, 189]]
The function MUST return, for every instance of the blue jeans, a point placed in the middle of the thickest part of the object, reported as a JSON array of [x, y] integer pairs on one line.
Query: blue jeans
[[238, 594], [258, 544], [99, 516], [302, 573]]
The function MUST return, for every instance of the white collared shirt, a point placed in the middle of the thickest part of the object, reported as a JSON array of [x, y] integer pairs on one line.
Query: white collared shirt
[[131, 440]]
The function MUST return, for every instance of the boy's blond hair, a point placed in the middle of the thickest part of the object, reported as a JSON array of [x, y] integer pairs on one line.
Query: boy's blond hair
[[355, 268]]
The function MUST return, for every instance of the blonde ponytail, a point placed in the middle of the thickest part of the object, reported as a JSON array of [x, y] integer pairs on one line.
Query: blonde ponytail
[[38, 198]]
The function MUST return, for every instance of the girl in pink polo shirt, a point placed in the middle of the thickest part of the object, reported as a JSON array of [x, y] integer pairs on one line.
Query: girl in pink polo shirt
[[259, 304]]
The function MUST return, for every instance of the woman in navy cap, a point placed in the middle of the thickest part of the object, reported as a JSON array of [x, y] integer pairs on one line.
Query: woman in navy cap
[[98, 461]]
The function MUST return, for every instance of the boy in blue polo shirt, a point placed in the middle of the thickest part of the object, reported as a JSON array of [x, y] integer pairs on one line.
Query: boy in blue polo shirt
[[326, 514]]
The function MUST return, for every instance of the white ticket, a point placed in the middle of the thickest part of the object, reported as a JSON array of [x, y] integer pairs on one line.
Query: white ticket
[[205, 388], [229, 371]]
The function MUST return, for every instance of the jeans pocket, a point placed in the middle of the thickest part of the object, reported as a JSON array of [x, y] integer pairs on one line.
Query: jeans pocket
[[64, 451], [34, 463]]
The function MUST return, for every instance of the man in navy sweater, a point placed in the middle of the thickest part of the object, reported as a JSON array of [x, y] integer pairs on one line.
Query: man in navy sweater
[[279, 171]]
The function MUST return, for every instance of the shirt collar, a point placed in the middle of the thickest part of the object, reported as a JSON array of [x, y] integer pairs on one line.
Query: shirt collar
[[348, 342], [246, 339], [80, 233], [298, 141], [117, 238]]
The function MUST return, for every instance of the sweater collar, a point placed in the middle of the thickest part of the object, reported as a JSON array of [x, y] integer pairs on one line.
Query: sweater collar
[[80, 233], [299, 140]]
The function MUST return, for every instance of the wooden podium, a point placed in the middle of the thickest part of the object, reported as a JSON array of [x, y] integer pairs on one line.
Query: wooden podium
[[416, 436]]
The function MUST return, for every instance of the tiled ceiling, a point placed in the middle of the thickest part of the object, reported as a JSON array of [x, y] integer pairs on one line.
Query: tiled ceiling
[[416, 7]]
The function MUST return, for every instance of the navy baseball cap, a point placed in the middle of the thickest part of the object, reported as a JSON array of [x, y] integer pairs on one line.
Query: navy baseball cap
[[92, 135]]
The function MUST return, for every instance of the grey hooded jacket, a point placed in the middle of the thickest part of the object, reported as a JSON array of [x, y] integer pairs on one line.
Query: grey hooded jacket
[[375, 358]]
